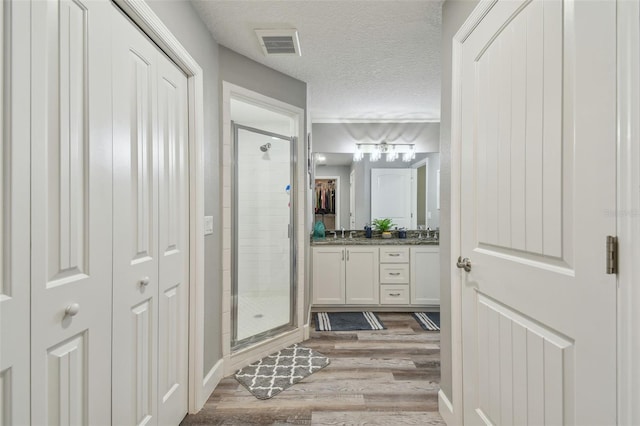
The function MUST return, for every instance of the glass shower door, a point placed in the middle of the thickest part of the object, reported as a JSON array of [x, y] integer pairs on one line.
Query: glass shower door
[[263, 291]]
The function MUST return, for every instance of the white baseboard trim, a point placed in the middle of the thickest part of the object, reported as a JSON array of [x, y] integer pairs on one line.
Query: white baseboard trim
[[446, 409], [246, 356], [306, 332], [210, 381]]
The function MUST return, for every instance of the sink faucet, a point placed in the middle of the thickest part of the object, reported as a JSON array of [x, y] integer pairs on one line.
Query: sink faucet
[[342, 229]]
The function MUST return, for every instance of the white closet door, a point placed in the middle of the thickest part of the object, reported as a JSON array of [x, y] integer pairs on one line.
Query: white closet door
[[70, 212], [173, 237], [151, 246], [135, 226], [14, 216]]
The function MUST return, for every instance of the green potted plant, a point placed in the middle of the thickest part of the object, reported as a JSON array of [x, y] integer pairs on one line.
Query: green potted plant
[[383, 225]]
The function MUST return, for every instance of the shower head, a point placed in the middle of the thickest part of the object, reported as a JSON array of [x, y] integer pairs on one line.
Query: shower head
[[265, 147]]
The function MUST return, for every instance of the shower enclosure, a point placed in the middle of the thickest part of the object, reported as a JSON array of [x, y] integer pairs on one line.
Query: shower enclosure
[[263, 243]]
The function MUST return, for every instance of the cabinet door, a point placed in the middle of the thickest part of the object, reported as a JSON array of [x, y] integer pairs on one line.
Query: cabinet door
[[362, 279], [328, 275], [425, 275]]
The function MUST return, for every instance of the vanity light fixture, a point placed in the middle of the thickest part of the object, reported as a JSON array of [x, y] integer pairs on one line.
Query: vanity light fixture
[[358, 154], [391, 151]]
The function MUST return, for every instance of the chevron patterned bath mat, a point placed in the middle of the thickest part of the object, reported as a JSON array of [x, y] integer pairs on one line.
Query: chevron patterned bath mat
[[428, 320], [275, 373]]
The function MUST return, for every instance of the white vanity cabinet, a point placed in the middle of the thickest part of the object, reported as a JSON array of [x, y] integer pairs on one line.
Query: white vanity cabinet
[[345, 275], [376, 275], [425, 275]]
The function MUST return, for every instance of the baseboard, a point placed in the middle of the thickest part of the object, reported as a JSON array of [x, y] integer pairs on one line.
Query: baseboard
[[211, 380], [446, 409], [251, 354], [306, 332]]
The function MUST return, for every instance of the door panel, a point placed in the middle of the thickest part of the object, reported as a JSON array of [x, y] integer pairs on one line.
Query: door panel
[[173, 238], [151, 245], [538, 171], [14, 214], [135, 197], [263, 284], [70, 262]]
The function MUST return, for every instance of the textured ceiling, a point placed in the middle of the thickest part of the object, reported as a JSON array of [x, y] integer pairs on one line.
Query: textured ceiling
[[362, 60]]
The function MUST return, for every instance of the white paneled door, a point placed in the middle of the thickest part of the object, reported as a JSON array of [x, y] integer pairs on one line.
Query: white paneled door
[[70, 213], [537, 201], [150, 322]]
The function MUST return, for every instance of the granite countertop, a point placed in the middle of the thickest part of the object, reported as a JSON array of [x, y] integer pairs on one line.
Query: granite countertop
[[346, 241], [413, 238]]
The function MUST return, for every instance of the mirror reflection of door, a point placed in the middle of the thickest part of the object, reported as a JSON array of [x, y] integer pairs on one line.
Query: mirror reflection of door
[[392, 196], [352, 200]]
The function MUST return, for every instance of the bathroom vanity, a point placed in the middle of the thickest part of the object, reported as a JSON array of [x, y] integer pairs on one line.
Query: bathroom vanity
[[375, 273]]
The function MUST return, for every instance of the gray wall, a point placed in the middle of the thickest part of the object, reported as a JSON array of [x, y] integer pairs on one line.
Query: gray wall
[[245, 72], [185, 24], [343, 190], [341, 137], [454, 13]]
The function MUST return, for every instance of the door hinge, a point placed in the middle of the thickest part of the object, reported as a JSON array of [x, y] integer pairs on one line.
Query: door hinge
[[612, 255]]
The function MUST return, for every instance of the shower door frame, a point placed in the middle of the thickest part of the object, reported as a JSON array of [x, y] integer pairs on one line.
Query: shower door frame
[[292, 324]]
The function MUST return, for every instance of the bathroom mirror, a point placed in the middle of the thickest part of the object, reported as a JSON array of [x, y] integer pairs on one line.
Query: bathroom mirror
[[343, 189]]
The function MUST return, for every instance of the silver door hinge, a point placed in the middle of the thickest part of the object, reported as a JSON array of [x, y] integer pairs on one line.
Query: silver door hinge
[[612, 255]]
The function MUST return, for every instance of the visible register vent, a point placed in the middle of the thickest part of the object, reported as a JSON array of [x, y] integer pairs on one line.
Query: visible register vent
[[279, 42]]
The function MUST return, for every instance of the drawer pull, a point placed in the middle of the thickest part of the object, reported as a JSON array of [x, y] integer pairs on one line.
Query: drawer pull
[[394, 273], [394, 254], [394, 294]]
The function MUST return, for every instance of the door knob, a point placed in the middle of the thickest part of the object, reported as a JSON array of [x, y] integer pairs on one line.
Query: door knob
[[464, 263], [72, 310], [144, 281]]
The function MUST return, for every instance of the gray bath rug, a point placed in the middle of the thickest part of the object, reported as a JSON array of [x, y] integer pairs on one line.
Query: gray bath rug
[[428, 320], [275, 373], [347, 321]]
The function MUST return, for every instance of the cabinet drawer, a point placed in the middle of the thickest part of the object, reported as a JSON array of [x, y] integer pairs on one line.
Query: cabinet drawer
[[394, 295], [394, 273], [394, 255]]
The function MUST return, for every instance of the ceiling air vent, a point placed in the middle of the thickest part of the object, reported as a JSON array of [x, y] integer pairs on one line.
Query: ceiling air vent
[[279, 42]]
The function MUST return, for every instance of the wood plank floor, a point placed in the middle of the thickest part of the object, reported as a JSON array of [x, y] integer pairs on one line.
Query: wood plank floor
[[385, 377]]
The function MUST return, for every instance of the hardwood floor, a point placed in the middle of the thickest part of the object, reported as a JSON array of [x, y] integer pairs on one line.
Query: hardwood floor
[[385, 377]]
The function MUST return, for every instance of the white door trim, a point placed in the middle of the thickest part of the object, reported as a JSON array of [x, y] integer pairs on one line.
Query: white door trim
[[629, 211], [452, 411], [140, 12], [246, 356]]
